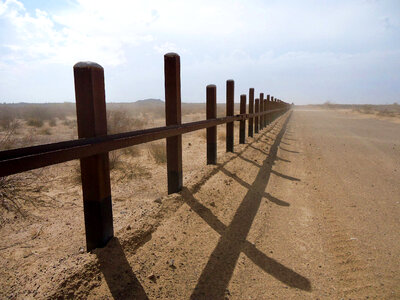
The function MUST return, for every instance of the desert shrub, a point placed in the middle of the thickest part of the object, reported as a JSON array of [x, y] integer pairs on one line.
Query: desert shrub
[[387, 113], [366, 109], [115, 159], [35, 123], [45, 131], [120, 121], [158, 152], [7, 139], [69, 123], [131, 151], [52, 122]]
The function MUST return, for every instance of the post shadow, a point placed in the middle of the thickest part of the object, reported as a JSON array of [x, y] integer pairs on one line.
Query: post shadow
[[219, 269], [282, 159], [121, 280], [287, 150], [218, 168], [285, 176]]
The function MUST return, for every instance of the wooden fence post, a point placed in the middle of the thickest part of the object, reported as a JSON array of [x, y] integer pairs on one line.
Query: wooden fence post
[[265, 110], [211, 113], [172, 75], [251, 111], [95, 171], [256, 118], [268, 121], [230, 89], [272, 107], [261, 110], [242, 126]]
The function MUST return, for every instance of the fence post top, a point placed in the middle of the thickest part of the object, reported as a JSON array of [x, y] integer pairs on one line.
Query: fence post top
[[251, 89], [211, 86], [171, 54], [87, 65], [230, 80]]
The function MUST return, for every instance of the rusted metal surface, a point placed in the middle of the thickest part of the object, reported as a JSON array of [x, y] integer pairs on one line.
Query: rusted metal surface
[[211, 113], [242, 126], [268, 117], [172, 73], [251, 110], [95, 172], [261, 110], [265, 116], [230, 90], [256, 122]]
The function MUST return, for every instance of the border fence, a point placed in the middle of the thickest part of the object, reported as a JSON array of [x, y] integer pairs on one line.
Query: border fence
[[94, 143]]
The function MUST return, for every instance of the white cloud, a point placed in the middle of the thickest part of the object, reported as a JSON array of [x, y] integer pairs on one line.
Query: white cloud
[[274, 44]]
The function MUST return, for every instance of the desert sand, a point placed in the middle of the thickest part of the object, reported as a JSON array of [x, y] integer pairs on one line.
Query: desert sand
[[308, 209]]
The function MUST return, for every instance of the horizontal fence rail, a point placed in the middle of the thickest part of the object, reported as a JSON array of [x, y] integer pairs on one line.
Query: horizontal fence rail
[[30, 158], [93, 144]]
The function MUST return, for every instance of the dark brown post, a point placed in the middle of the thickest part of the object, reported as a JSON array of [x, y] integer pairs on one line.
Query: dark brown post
[[265, 116], [95, 171], [256, 118], [261, 110], [272, 117], [251, 111], [172, 73], [211, 131], [268, 108], [230, 89], [242, 126]]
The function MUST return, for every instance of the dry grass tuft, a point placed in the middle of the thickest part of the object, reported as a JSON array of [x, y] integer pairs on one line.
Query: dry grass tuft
[[158, 152], [45, 131], [120, 121], [133, 151], [115, 160], [35, 123], [53, 123]]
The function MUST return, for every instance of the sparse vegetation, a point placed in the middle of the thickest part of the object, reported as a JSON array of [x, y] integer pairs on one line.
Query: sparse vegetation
[[133, 151], [45, 131], [158, 152], [52, 122], [120, 121], [35, 123]]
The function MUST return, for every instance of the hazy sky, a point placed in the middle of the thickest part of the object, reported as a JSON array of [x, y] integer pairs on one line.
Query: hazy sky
[[341, 51]]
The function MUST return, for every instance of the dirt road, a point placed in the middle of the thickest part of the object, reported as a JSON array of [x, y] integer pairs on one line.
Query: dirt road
[[308, 210]]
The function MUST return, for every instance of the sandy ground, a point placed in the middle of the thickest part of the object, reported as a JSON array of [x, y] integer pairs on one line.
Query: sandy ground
[[309, 209]]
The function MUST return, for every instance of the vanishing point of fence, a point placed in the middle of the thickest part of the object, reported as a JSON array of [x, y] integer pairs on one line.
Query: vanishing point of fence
[[94, 143]]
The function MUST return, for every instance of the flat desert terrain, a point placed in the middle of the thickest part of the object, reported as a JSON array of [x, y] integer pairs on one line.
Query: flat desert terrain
[[307, 209]]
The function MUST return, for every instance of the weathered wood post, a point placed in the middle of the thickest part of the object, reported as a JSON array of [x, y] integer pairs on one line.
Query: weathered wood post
[[242, 126], [261, 110], [172, 75], [256, 118], [265, 116], [95, 171], [272, 107], [268, 108], [230, 89], [251, 111], [211, 113]]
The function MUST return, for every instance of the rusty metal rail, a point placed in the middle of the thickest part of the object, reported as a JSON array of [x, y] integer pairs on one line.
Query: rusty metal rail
[[29, 158], [93, 144]]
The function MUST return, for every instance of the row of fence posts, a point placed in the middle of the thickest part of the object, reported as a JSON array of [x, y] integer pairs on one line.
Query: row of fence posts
[[92, 122]]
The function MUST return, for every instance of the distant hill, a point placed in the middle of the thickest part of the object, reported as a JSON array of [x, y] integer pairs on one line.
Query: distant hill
[[149, 101]]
